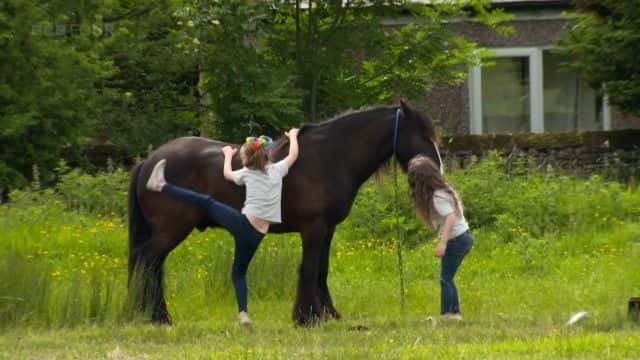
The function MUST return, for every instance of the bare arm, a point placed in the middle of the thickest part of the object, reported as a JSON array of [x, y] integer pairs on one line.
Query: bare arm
[[445, 234], [293, 147], [228, 152]]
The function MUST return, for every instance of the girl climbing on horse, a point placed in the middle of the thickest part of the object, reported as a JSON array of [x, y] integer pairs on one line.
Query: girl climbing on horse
[[262, 206]]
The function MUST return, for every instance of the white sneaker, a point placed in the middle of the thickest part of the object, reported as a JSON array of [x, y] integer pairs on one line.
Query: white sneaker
[[156, 179], [245, 321], [451, 316]]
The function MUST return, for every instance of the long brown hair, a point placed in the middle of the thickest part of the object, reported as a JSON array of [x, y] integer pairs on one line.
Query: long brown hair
[[254, 160], [424, 180]]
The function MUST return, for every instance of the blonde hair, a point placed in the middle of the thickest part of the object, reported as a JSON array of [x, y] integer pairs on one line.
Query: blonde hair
[[424, 179], [254, 160]]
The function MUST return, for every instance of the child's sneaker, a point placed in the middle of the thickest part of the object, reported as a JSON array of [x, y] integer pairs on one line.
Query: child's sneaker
[[451, 316], [156, 179], [245, 321]]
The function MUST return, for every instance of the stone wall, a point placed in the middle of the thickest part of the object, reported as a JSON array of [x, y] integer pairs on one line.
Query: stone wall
[[610, 153]]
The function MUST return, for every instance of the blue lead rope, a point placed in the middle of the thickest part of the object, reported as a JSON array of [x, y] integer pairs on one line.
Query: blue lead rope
[[397, 212], [395, 131]]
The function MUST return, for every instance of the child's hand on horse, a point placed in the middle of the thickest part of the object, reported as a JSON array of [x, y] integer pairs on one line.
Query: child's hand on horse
[[292, 132], [228, 151]]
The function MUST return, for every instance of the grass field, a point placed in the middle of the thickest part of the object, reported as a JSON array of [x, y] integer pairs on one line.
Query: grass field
[[63, 282]]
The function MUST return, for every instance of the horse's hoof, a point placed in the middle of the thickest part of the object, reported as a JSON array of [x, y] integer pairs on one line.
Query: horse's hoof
[[161, 320], [359, 328], [308, 323], [332, 314], [308, 320]]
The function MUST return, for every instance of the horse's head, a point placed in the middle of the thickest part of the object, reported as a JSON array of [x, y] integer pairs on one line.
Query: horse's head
[[417, 134]]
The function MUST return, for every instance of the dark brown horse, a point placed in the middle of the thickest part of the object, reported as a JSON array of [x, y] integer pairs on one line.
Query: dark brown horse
[[336, 158]]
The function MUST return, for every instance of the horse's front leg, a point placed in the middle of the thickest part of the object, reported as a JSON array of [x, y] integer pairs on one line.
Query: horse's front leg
[[324, 297], [307, 309]]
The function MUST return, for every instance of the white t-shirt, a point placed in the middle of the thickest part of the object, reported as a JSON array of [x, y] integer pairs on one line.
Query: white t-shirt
[[444, 204], [264, 190]]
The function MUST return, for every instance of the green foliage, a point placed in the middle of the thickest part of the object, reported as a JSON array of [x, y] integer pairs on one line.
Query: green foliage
[[344, 58], [376, 204], [526, 203], [47, 95], [90, 72], [63, 281], [533, 203], [103, 193], [602, 47], [245, 88], [152, 95], [134, 73]]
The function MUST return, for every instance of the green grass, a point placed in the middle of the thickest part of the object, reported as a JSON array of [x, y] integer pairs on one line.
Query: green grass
[[384, 338], [548, 247], [63, 288]]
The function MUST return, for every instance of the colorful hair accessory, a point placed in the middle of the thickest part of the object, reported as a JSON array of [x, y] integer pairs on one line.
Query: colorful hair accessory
[[258, 142]]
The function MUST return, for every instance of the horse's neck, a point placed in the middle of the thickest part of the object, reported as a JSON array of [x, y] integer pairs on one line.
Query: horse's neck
[[367, 143]]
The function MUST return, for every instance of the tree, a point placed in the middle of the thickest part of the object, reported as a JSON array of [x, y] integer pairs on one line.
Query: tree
[[264, 62], [602, 46], [140, 72], [351, 54], [78, 73], [151, 96], [47, 91], [245, 89]]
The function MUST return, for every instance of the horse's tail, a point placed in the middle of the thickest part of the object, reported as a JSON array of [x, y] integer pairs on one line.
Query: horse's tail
[[139, 228]]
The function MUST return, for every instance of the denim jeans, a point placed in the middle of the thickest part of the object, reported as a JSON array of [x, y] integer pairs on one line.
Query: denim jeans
[[246, 237], [457, 249]]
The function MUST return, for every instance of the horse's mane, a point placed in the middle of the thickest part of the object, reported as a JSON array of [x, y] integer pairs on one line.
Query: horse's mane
[[339, 119], [432, 130], [324, 125]]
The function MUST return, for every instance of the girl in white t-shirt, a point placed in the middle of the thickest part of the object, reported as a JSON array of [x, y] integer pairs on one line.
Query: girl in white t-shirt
[[438, 205], [263, 181]]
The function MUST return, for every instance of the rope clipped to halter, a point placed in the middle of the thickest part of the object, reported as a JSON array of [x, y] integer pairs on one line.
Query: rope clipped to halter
[[395, 131], [397, 210], [258, 142]]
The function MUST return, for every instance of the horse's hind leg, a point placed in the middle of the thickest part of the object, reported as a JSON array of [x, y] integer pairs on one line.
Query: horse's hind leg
[[150, 274], [324, 297], [159, 312], [145, 283]]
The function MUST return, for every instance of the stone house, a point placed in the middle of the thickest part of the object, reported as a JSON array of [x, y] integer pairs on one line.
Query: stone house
[[524, 90]]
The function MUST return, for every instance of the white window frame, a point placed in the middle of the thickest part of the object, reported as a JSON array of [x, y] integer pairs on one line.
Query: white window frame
[[536, 90]]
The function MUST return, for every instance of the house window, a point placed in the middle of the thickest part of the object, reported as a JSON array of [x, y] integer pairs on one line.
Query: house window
[[570, 104], [525, 90], [506, 107]]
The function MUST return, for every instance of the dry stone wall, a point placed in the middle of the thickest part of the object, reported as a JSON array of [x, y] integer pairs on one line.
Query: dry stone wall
[[609, 153]]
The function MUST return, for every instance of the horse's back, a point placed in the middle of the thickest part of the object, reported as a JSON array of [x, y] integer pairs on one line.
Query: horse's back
[[191, 161], [189, 148], [194, 163]]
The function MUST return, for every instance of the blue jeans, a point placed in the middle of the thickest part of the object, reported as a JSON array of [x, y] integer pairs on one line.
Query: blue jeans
[[246, 237], [457, 249]]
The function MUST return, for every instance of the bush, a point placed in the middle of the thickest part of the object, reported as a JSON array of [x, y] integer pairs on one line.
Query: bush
[[373, 215], [522, 204], [104, 193], [536, 203], [525, 202]]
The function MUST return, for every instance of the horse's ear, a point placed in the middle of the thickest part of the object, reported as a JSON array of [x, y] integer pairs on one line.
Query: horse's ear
[[406, 108]]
